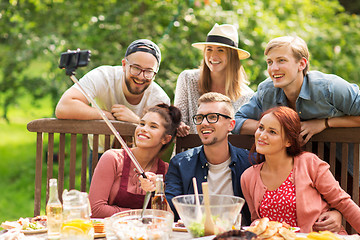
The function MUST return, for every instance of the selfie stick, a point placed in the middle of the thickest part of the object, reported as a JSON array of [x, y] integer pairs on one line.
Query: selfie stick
[[70, 70], [112, 128]]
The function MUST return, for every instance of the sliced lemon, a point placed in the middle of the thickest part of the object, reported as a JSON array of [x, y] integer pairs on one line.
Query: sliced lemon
[[77, 225], [71, 230]]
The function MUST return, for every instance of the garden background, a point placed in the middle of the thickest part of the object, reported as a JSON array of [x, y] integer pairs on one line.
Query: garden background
[[33, 33]]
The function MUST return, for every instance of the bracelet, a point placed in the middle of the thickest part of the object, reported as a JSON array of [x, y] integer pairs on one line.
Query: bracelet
[[327, 123]]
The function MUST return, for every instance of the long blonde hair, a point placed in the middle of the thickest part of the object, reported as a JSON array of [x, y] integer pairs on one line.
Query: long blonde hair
[[235, 76]]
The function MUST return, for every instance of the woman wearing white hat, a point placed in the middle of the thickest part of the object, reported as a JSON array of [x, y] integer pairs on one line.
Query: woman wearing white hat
[[221, 71]]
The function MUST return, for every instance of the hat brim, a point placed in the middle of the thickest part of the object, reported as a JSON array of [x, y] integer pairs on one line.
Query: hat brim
[[242, 53]]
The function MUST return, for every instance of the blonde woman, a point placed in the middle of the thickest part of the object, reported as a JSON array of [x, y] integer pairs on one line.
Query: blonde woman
[[221, 71]]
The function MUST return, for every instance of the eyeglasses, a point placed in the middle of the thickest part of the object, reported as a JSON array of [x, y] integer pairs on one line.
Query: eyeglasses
[[210, 117], [136, 71]]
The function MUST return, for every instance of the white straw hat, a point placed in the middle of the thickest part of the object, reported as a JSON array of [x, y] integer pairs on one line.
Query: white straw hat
[[223, 35]]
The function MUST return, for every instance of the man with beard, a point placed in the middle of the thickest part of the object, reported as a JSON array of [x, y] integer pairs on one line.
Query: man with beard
[[122, 92], [216, 161]]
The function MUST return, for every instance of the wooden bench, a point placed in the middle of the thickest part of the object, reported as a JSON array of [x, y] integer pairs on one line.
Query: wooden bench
[[322, 144], [72, 128]]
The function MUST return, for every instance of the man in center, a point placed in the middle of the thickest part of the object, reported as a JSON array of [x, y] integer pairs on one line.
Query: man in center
[[216, 161]]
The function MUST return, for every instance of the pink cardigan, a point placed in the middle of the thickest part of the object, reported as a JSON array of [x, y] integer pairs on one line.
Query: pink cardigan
[[316, 191], [105, 183]]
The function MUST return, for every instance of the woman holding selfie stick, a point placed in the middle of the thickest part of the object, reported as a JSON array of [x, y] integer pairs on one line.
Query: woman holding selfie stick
[[115, 186]]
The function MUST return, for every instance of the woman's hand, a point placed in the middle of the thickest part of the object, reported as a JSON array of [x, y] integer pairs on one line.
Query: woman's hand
[[148, 184], [330, 220], [182, 130]]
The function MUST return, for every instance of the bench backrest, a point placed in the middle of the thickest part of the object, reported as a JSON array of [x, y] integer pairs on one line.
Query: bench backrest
[[73, 129], [325, 144]]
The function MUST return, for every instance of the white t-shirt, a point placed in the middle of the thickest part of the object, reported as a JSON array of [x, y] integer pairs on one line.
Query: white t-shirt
[[104, 85], [219, 178]]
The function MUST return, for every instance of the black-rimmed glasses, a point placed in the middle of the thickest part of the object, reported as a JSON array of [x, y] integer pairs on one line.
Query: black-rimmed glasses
[[136, 71], [210, 117]]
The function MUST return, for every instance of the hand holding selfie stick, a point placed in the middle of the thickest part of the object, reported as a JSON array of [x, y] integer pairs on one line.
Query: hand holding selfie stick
[[70, 61]]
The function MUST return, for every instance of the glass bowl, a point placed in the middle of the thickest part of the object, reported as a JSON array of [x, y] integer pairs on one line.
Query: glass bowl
[[224, 210], [155, 225]]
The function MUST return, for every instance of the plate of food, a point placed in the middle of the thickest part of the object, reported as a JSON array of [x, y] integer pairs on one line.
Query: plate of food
[[265, 228], [28, 225], [179, 226], [295, 229]]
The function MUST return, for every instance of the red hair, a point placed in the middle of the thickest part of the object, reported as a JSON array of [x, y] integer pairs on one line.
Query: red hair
[[290, 122]]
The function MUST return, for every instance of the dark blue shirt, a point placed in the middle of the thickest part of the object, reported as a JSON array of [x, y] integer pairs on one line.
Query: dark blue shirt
[[192, 163]]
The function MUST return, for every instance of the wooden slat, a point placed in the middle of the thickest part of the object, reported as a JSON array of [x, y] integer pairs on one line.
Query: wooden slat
[[344, 165], [72, 174], [95, 153], [84, 147], [342, 135], [50, 162], [356, 174], [332, 160], [308, 146], [320, 150], [80, 126], [355, 189], [107, 142], [38, 173], [61, 162]]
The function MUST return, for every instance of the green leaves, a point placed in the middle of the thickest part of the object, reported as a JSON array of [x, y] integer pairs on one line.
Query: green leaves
[[34, 33]]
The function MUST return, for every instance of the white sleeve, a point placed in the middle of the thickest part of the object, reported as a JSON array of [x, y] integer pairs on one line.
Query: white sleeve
[[181, 97]]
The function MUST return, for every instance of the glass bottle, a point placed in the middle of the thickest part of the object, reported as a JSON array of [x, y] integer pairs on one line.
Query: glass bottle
[[159, 200], [53, 211]]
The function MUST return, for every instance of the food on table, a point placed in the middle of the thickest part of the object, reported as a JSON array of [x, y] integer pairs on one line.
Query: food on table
[[29, 224], [180, 224], [197, 229], [272, 230], [98, 226], [13, 234], [260, 227], [236, 234], [10, 225], [324, 235], [41, 219]]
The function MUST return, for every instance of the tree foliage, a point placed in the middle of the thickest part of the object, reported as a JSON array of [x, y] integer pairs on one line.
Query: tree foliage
[[34, 33]]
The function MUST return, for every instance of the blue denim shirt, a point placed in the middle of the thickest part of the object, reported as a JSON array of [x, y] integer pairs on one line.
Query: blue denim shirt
[[192, 163], [321, 96]]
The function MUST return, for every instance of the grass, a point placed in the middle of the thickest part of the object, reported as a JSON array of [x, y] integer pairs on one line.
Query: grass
[[17, 159]]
